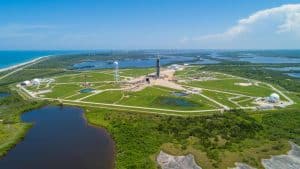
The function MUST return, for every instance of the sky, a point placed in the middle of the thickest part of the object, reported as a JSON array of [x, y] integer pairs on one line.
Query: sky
[[149, 24]]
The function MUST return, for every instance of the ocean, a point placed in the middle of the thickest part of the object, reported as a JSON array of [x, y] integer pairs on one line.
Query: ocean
[[10, 58]]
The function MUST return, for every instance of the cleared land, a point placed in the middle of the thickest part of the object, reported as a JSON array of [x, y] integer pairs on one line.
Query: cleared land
[[203, 91]]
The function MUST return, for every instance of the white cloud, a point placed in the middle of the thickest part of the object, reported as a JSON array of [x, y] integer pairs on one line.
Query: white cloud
[[286, 17]]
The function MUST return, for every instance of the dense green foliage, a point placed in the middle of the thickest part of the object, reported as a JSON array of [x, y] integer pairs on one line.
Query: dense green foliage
[[285, 124], [138, 136]]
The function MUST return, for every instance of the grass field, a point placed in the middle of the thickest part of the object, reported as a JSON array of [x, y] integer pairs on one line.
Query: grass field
[[106, 97], [221, 97], [86, 76], [163, 98], [136, 72], [10, 134], [230, 85], [219, 90], [64, 90]]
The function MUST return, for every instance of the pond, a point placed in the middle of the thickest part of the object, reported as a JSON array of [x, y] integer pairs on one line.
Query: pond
[[61, 138], [2, 95], [284, 69], [86, 90], [295, 75]]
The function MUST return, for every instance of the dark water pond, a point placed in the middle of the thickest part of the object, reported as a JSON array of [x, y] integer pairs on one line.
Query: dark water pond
[[2, 95], [86, 90], [179, 94], [285, 69], [61, 139], [296, 75]]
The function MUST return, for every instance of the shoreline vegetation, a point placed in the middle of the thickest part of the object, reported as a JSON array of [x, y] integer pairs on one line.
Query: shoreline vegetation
[[12, 129], [216, 141]]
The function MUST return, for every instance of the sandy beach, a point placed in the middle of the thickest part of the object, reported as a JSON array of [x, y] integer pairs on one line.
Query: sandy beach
[[23, 64]]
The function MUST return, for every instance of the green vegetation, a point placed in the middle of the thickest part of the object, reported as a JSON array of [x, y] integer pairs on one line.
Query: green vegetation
[[85, 76], [12, 130], [231, 85], [258, 72], [159, 97], [61, 91], [217, 141], [220, 97], [106, 97], [31, 74], [136, 72]]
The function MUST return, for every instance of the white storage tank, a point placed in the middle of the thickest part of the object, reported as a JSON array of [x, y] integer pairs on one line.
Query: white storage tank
[[274, 97], [36, 81]]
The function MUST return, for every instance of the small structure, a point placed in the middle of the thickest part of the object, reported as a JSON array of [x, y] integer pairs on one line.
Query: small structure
[[273, 98], [148, 80], [26, 83], [36, 81]]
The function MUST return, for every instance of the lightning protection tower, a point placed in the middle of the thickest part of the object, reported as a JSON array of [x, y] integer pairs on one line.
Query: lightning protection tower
[[116, 63], [157, 66]]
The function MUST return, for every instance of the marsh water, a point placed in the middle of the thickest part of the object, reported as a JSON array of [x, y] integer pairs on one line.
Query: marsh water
[[61, 138], [2, 95], [296, 75], [142, 63], [126, 63]]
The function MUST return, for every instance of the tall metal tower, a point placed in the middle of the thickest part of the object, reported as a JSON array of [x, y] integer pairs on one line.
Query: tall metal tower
[[157, 66], [116, 63]]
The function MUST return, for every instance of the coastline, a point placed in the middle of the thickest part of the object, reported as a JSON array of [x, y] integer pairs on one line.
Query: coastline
[[23, 63]]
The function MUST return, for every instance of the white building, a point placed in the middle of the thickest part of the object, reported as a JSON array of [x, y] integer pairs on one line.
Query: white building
[[273, 98], [26, 83], [36, 81]]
